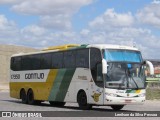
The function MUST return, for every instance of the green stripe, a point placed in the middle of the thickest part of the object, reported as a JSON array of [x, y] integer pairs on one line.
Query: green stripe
[[130, 91], [65, 84], [61, 84], [56, 84]]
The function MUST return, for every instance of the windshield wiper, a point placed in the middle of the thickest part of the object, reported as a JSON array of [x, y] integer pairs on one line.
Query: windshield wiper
[[134, 82]]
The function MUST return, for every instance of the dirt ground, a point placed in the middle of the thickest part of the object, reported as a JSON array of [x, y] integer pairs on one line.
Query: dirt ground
[[4, 87]]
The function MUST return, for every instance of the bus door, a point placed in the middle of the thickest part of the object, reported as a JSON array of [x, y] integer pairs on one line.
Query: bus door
[[96, 86], [96, 83]]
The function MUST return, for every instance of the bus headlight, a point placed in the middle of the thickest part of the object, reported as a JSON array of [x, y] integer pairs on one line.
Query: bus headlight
[[142, 95], [111, 94]]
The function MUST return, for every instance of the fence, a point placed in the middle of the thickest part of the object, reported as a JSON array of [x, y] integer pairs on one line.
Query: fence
[[153, 82]]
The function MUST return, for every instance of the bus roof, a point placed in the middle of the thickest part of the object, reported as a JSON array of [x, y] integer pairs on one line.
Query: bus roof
[[111, 46], [73, 46]]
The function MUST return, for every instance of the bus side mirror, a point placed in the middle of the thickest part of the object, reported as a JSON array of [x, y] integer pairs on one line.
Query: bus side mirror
[[150, 65], [104, 66]]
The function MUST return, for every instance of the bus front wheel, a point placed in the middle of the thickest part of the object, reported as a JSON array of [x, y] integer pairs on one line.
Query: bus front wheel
[[117, 107], [82, 101], [23, 96]]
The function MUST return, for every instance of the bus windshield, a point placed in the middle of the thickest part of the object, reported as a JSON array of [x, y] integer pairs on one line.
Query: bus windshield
[[123, 55], [125, 69]]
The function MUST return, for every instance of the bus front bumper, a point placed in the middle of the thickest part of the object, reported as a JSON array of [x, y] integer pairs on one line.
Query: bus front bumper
[[109, 100]]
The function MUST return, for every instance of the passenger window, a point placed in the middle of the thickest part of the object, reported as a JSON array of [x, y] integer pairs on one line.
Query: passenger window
[[36, 62], [57, 60], [16, 63], [26, 62], [95, 57], [82, 58], [46, 61], [69, 59]]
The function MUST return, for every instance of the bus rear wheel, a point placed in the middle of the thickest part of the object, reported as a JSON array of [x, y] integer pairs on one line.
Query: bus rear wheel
[[82, 101], [57, 104], [23, 96], [30, 97], [117, 107]]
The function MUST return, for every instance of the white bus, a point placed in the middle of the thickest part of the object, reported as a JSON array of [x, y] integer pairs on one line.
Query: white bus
[[98, 74]]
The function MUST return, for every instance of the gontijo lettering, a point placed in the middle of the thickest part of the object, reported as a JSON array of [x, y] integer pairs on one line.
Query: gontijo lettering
[[34, 76]]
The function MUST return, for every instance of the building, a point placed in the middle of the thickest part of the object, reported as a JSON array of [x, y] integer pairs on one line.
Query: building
[[6, 51], [156, 64]]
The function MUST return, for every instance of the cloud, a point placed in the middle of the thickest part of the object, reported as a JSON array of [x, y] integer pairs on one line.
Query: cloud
[[10, 1], [55, 27], [55, 14], [58, 22], [156, 1], [49, 7], [34, 30], [84, 32], [117, 28], [5, 23], [112, 19], [8, 30], [150, 14]]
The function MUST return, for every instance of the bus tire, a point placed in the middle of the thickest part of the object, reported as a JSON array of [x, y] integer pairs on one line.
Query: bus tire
[[82, 101], [23, 96], [117, 107], [57, 104], [30, 97]]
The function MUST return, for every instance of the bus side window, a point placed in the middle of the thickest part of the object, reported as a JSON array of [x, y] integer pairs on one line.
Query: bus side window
[[57, 60], [12, 65], [82, 58], [26, 62], [16, 63], [46, 61], [69, 59], [36, 62]]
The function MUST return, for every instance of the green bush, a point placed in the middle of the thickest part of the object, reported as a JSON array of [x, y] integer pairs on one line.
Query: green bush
[[153, 93]]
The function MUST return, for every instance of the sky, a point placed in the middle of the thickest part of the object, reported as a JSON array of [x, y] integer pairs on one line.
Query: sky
[[43, 23]]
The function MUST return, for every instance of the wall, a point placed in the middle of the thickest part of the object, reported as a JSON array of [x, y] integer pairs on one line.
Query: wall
[[6, 51]]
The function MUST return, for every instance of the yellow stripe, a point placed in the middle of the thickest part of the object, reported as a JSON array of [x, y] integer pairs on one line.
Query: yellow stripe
[[41, 89], [50, 81], [138, 91]]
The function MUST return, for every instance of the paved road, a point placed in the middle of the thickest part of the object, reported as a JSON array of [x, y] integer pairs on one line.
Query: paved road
[[11, 104]]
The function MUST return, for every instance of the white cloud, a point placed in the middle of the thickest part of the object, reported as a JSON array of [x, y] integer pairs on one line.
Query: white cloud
[[34, 30], [117, 28], [50, 7], [156, 1], [55, 26], [150, 14], [54, 14], [84, 32], [112, 19], [10, 1], [59, 22], [5, 23], [8, 30]]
